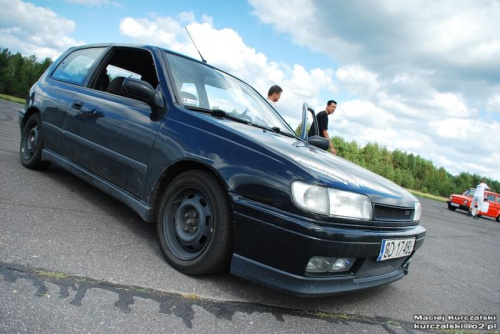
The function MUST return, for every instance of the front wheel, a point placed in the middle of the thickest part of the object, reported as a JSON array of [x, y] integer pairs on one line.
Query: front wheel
[[32, 144], [194, 224], [451, 207]]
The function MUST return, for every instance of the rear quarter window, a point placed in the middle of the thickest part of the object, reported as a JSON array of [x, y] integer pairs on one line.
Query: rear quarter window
[[76, 65]]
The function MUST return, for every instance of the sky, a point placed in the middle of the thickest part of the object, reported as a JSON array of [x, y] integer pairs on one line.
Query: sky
[[421, 76]]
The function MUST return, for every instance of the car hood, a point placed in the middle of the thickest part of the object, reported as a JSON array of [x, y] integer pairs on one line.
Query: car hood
[[328, 170]]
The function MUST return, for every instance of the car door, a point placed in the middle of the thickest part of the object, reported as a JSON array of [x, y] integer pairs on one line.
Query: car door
[[59, 87], [109, 134], [494, 205]]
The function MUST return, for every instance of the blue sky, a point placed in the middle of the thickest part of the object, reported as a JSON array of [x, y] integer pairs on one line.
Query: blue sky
[[421, 77]]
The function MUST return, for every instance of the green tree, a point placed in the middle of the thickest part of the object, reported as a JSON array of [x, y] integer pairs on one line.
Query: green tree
[[18, 73]]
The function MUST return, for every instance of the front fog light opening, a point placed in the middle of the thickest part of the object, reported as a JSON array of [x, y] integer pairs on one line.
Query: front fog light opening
[[320, 264]]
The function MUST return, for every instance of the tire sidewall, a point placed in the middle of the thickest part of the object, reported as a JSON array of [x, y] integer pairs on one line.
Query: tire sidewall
[[35, 161]]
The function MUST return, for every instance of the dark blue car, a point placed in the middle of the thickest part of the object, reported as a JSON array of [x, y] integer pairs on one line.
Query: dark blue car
[[228, 183]]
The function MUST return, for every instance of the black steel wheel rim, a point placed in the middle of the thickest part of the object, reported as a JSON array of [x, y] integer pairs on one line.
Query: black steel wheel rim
[[188, 224]]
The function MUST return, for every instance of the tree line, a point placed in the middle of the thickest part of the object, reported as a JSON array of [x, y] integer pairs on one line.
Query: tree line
[[409, 170], [18, 73]]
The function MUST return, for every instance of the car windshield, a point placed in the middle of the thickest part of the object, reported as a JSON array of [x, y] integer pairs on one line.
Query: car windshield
[[469, 192], [201, 86]]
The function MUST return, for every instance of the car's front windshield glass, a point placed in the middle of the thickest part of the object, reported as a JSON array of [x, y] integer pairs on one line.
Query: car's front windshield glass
[[202, 86]]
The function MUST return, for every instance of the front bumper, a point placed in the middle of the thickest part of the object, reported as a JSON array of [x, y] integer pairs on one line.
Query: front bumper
[[273, 248], [460, 206]]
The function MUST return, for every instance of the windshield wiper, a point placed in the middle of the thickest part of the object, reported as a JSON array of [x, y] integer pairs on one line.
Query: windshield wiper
[[221, 113], [218, 113], [274, 129]]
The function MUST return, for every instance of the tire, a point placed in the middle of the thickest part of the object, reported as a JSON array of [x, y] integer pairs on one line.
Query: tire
[[451, 207], [32, 144], [498, 218], [194, 224]]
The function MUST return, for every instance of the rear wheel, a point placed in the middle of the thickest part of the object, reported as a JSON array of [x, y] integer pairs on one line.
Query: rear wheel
[[32, 144], [194, 225]]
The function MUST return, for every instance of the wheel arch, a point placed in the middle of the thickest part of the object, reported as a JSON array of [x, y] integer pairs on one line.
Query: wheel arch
[[27, 114], [170, 173]]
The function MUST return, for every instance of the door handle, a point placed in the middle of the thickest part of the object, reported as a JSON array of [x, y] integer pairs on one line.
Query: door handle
[[77, 104]]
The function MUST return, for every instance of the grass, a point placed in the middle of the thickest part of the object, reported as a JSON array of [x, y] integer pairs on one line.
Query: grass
[[54, 275], [428, 196], [12, 98]]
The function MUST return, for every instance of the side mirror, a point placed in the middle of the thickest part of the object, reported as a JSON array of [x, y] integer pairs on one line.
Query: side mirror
[[143, 91], [319, 142]]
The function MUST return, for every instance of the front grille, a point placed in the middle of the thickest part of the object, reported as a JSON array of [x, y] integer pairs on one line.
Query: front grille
[[391, 213]]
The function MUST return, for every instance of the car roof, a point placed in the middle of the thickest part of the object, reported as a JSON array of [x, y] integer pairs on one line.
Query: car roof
[[132, 45]]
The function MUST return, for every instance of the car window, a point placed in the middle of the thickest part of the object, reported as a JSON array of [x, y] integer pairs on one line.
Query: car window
[[115, 71], [189, 94], [76, 65], [490, 197], [125, 63], [469, 192], [498, 199], [209, 88]]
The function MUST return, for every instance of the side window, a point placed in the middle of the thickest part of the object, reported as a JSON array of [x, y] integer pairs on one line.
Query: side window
[[491, 197], [498, 199], [76, 65], [125, 63]]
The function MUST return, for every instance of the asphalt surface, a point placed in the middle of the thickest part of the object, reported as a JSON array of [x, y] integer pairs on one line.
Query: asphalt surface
[[74, 260]]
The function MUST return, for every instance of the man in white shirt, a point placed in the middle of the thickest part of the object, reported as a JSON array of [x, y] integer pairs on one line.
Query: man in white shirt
[[274, 94], [478, 198]]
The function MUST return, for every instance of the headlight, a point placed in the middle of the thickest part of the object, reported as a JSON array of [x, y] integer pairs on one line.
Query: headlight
[[311, 198], [418, 211], [331, 202]]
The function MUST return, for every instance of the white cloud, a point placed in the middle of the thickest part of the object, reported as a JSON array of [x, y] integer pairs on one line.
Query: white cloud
[[493, 104], [413, 77], [358, 80], [93, 3], [45, 34], [454, 128]]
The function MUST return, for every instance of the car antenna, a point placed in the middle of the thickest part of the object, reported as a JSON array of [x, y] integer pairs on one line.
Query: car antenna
[[203, 59]]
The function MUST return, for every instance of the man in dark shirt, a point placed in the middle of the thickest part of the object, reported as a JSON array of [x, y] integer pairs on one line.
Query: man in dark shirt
[[322, 120]]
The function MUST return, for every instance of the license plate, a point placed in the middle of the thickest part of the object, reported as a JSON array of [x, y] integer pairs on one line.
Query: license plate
[[394, 248], [454, 204]]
